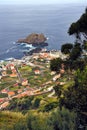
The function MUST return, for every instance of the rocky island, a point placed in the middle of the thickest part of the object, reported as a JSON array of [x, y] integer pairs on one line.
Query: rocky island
[[37, 40], [33, 39]]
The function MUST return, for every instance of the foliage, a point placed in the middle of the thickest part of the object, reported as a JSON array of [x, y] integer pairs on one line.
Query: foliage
[[36, 102], [20, 126], [58, 90], [85, 45], [55, 64], [21, 104], [56, 120], [66, 48], [38, 122], [74, 65], [9, 119], [79, 27], [76, 51], [50, 106], [63, 120], [76, 96], [2, 95]]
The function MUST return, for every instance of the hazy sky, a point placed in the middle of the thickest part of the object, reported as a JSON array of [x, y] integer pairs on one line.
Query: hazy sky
[[40, 1]]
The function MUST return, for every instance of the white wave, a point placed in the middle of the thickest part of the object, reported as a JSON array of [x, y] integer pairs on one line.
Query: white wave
[[26, 45], [22, 43], [1, 61], [29, 45], [8, 59], [47, 38], [24, 50]]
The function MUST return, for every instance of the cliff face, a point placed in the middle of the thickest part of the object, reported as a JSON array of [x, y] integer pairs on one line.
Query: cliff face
[[33, 38]]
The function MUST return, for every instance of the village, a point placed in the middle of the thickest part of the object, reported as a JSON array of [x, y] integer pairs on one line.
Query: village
[[28, 76]]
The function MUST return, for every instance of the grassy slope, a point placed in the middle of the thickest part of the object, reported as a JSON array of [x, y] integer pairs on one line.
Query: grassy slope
[[7, 119]]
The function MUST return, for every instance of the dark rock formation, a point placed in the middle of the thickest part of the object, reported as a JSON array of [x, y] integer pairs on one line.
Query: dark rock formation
[[36, 50], [33, 39]]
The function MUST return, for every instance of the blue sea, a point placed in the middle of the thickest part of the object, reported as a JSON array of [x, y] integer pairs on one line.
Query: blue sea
[[18, 21]]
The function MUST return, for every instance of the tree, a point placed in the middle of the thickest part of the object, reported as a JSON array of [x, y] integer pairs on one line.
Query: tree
[[20, 126], [85, 45], [58, 90], [50, 106], [76, 51], [63, 119], [66, 48], [76, 96], [36, 102], [21, 104], [55, 64], [38, 121], [79, 27]]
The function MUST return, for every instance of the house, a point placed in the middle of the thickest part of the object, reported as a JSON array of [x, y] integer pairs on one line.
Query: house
[[21, 95], [16, 84], [35, 57], [37, 71], [1, 100], [24, 82], [53, 73], [29, 93], [23, 64], [4, 91], [62, 83], [37, 91], [56, 77], [4, 105], [12, 66], [62, 71], [11, 93], [44, 55], [13, 75], [14, 71]]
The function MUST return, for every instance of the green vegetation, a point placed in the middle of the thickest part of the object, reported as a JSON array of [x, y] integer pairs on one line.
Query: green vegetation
[[66, 48], [38, 103], [2, 95], [76, 96], [55, 64], [20, 104], [9, 119], [56, 120], [79, 27]]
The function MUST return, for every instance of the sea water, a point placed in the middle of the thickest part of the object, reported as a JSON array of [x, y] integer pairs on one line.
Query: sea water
[[18, 21]]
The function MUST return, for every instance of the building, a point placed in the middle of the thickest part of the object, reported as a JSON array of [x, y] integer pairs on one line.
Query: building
[[4, 91], [25, 82], [11, 93], [37, 71], [13, 75], [56, 77], [4, 105]]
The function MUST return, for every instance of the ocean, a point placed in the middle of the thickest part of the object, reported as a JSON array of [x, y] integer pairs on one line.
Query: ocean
[[18, 21]]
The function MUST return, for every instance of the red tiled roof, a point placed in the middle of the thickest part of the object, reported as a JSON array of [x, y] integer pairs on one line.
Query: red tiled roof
[[11, 93], [5, 104]]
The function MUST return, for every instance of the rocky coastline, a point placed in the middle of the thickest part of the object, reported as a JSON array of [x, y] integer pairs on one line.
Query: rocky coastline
[[37, 40]]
